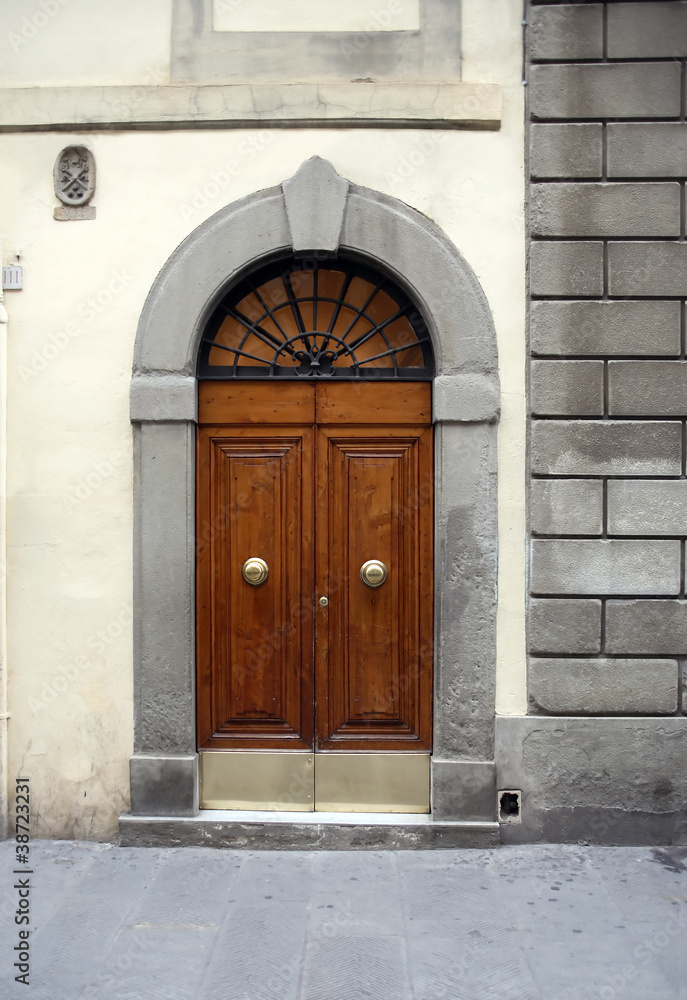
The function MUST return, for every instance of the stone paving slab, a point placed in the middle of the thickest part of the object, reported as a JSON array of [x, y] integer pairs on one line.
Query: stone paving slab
[[539, 922]]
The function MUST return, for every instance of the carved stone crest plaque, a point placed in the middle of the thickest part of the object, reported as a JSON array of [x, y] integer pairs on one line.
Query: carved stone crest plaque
[[75, 183]]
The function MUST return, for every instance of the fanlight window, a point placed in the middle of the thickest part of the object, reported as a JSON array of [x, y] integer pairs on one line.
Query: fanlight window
[[303, 320]]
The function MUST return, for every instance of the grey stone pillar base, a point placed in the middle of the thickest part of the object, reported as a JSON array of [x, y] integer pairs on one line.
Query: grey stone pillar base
[[164, 786], [464, 790]]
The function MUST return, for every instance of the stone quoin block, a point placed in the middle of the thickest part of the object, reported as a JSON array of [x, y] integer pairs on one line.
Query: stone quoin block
[[641, 327], [566, 150], [647, 388], [564, 625], [569, 32], [603, 686], [610, 90], [566, 268], [647, 30], [567, 388], [647, 149], [606, 448], [647, 507], [658, 269], [605, 209], [566, 506], [638, 627], [605, 566]]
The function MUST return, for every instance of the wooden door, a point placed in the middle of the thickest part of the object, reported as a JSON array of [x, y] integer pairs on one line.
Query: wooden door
[[315, 479]]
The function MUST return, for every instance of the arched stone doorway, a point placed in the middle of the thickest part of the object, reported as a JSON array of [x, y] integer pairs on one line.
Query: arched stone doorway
[[316, 213]]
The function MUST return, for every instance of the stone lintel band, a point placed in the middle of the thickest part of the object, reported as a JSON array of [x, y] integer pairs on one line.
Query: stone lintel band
[[251, 105]]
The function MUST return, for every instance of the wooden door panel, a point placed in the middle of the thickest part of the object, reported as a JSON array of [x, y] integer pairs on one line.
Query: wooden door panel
[[262, 492], [256, 403], [373, 403], [374, 646], [255, 643]]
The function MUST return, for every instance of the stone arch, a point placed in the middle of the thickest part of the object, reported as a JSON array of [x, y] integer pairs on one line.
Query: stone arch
[[315, 212]]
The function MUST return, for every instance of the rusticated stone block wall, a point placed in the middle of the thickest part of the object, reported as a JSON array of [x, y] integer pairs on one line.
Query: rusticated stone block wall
[[607, 623]]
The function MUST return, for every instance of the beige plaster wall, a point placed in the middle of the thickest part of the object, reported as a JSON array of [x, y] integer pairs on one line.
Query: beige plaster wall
[[3, 569], [492, 51], [316, 15], [69, 353], [52, 43]]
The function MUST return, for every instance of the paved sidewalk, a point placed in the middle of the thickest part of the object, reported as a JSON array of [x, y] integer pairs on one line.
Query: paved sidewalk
[[516, 923]]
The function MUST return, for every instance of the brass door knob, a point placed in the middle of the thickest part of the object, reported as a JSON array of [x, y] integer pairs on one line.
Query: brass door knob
[[373, 573], [255, 571]]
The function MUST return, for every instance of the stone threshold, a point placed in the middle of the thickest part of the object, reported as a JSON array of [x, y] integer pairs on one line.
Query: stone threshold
[[333, 831], [371, 105]]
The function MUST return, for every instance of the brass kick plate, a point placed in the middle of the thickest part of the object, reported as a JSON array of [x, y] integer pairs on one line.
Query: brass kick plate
[[323, 782], [372, 782], [274, 782]]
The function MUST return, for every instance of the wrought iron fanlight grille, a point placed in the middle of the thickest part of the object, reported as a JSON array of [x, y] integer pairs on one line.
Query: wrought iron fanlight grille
[[309, 319]]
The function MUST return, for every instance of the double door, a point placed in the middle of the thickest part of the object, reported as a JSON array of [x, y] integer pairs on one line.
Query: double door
[[314, 586]]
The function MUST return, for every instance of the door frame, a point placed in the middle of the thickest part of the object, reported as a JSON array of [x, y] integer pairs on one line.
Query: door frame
[[314, 214]]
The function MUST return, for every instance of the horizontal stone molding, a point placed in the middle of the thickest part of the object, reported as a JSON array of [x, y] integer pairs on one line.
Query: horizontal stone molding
[[564, 686], [423, 105], [647, 627], [641, 327], [163, 398], [564, 625], [606, 448], [466, 399], [605, 566]]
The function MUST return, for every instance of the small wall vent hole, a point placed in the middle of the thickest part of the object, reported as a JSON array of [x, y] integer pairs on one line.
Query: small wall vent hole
[[509, 806]]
